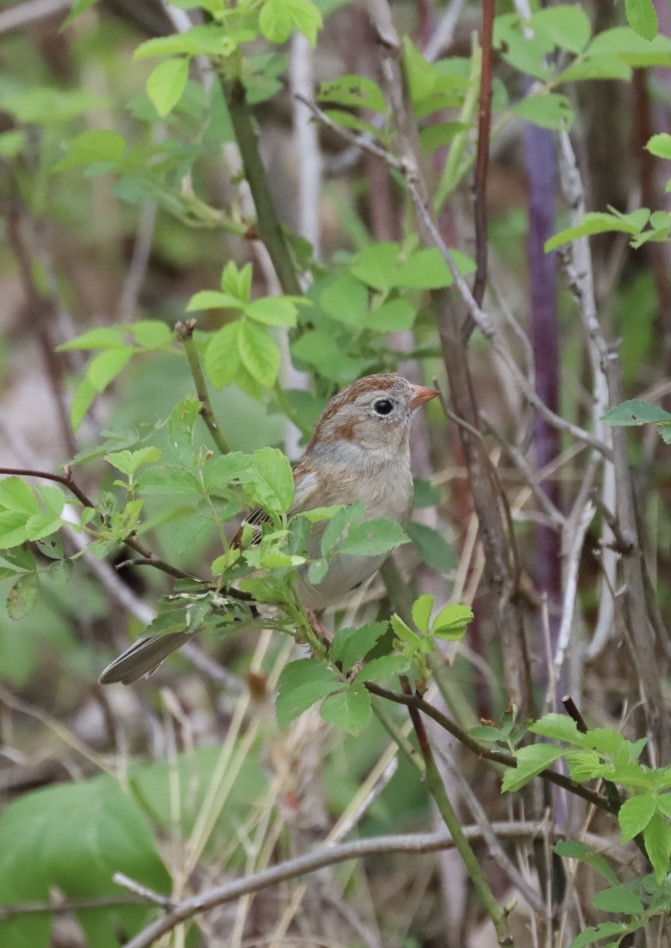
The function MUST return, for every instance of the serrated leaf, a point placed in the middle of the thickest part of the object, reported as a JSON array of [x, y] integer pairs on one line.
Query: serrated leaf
[[42, 525], [547, 110], [635, 411], [352, 645], [596, 223], [657, 839], [373, 538], [349, 709], [345, 299], [558, 727], [391, 316], [212, 299], [531, 761], [384, 667], [452, 621], [421, 611], [181, 425], [12, 529], [23, 595], [222, 357], [342, 519], [619, 898], [590, 936], [433, 548], [301, 685], [259, 353], [272, 311], [274, 480], [18, 496], [404, 633], [375, 265], [635, 814]]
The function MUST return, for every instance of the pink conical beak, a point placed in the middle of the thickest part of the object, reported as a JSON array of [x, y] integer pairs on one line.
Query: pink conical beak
[[420, 395]]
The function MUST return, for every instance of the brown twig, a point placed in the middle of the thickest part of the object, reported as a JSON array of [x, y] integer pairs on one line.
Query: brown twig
[[499, 757], [185, 332], [482, 156]]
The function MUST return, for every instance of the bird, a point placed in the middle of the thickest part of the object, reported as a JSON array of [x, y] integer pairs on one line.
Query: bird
[[360, 452]]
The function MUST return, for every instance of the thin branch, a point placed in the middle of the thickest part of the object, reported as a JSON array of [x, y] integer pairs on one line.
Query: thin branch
[[267, 223], [323, 856], [485, 753], [436, 787], [482, 157], [66, 906], [184, 332]]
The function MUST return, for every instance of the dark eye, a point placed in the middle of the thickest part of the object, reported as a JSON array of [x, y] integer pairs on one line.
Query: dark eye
[[383, 406]]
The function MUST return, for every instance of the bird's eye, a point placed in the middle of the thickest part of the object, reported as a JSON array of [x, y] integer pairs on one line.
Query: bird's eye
[[383, 406]]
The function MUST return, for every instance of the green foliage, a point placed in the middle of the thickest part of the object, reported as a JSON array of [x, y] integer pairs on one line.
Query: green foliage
[[636, 412]]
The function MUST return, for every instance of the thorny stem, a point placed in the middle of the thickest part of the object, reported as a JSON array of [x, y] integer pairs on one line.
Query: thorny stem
[[436, 787], [499, 757], [185, 332], [267, 223], [482, 159]]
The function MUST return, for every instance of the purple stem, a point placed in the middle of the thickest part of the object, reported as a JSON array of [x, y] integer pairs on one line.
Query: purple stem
[[541, 169]]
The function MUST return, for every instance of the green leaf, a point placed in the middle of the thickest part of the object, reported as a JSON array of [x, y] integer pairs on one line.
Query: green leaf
[[373, 538], [642, 17], [375, 265], [345, 299], [238, 282], [42, 525], [208, 40], [564, 25], [301, 685], [421, 612], [660, 145], [128, 462], [16, 495], [597, 223], [222, 356], [349, 709], [664, 804], [212, 299], [23, 595], [279, 18], [273, 311], [273, 479], [427, 270], [103, 337], [181, 426], [635, 411], [657, 839], [343, 519], [452, 621], [620, 899], [353, 91], [151, 334], [590, 936], [53, 499], [426, 495], [405, 634], [558, 727], [74, 837], [635, 814], [384, 667], [547, 110], [90, 147], [12, 529], [531, 761], [392, 316], [166, 84], [434, 549], [259, 353], [351, 645], [573, 849]]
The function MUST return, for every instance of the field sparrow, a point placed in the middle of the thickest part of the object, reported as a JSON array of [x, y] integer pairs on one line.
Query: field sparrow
[[360, 451]]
